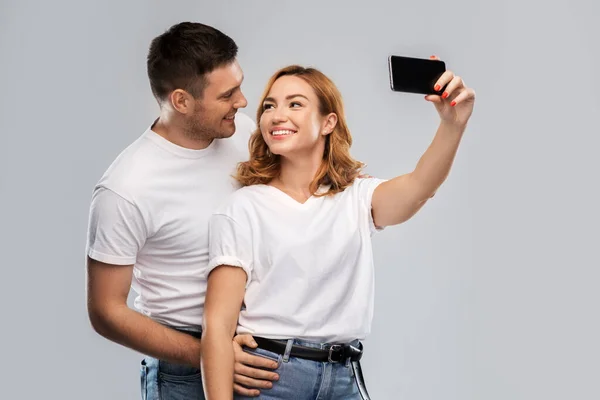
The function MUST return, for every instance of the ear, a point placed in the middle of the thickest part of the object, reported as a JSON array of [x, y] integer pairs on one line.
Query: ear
[[181, 101], [329, 124]]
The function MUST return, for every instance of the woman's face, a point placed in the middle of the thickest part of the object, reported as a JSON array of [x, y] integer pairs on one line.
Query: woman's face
[[291, 123]]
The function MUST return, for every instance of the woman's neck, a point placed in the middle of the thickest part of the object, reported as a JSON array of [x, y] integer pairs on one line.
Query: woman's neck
[[296, 175]]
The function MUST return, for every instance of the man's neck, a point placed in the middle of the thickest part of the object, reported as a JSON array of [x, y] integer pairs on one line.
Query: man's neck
[[175, 132]]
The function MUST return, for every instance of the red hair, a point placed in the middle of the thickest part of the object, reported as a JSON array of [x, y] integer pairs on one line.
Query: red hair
[[337, 169]]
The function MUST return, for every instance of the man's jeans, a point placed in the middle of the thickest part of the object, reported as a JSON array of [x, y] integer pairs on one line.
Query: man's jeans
[[301, 379], [161, 380]]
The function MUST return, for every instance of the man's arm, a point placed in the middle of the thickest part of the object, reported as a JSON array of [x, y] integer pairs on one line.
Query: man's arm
[[224, 297], [107, 290], [110, 316]]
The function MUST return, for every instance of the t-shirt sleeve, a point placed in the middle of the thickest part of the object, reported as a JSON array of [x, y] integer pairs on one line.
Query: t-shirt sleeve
[[366, 187], [116, 230], [230, 244]]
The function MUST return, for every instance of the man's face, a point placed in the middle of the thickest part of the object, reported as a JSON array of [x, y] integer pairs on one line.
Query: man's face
[[214, 111]]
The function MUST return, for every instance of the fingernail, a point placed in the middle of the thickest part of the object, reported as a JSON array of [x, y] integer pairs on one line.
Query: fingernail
[[453, 103], [431, 56], [437, 88], [445, 95]]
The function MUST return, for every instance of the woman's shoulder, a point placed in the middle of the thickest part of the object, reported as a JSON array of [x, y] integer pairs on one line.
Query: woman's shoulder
[[364, 184], [240, 201]]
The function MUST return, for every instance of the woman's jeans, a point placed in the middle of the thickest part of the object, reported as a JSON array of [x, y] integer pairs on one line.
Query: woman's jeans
[[302, 379], [299, 379]]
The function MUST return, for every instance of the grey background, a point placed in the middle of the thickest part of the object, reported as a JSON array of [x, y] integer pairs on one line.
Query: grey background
[[491, 292]]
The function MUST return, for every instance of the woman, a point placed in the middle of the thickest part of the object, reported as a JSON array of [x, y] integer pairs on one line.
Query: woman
[[293, 246]]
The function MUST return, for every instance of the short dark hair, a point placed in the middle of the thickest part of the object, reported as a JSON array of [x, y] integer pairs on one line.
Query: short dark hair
[[180, 57]]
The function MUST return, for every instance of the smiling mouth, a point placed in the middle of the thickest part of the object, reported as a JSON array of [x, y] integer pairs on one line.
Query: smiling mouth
[[230, 118], [282, 132]]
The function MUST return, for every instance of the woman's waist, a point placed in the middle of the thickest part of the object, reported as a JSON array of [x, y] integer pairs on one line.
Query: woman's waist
[[313, 332]]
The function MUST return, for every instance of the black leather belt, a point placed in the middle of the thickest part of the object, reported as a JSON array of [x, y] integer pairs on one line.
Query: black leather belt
[[360, 380], [334, 354]]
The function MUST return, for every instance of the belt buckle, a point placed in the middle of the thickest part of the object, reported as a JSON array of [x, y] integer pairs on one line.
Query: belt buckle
[[334, 347]]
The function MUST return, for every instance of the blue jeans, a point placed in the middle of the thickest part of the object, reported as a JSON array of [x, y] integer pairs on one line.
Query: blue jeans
[[301, 379], [161, 380]]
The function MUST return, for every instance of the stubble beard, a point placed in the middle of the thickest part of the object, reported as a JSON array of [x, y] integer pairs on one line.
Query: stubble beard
[[203, 130]]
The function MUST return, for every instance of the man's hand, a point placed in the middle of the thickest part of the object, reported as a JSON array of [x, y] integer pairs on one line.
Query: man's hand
[[247, 368]]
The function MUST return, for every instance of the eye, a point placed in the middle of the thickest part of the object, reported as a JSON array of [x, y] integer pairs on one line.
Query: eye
[[267, 106], [295, 104], [227, 95]]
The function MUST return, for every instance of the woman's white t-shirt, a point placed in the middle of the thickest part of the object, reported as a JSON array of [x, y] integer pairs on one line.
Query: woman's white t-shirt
[[309, 265]]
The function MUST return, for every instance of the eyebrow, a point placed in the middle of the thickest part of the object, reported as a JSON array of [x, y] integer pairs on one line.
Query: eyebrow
[[225, 93], [291, 96]]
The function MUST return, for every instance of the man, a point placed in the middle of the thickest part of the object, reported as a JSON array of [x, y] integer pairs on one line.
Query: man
[[148, 226]]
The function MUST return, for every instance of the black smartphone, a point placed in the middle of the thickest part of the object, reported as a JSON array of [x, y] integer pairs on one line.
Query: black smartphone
[[415, 75]]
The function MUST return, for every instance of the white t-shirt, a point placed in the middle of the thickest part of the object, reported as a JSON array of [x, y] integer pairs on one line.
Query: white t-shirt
[[309, 266], [152, 208]]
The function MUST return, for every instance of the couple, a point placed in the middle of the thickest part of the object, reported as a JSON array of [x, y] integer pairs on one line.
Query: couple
[[270, 287]]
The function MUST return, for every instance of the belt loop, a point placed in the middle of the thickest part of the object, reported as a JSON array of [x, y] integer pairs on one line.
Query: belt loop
[[288, 350]]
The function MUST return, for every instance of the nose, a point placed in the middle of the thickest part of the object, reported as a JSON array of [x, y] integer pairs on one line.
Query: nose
[[241, 101], [279, 115]]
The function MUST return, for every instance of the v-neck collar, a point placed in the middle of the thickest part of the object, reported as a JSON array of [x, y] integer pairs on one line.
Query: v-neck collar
[[289, 199]]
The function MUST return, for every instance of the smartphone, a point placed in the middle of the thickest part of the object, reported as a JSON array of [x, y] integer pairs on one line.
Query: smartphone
[[415, 75]]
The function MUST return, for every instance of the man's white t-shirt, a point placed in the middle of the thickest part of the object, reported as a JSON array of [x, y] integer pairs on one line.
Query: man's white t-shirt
[[152, 208], [309, 266]]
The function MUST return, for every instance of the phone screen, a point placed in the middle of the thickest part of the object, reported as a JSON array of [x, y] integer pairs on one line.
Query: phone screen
[[415, 75]]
